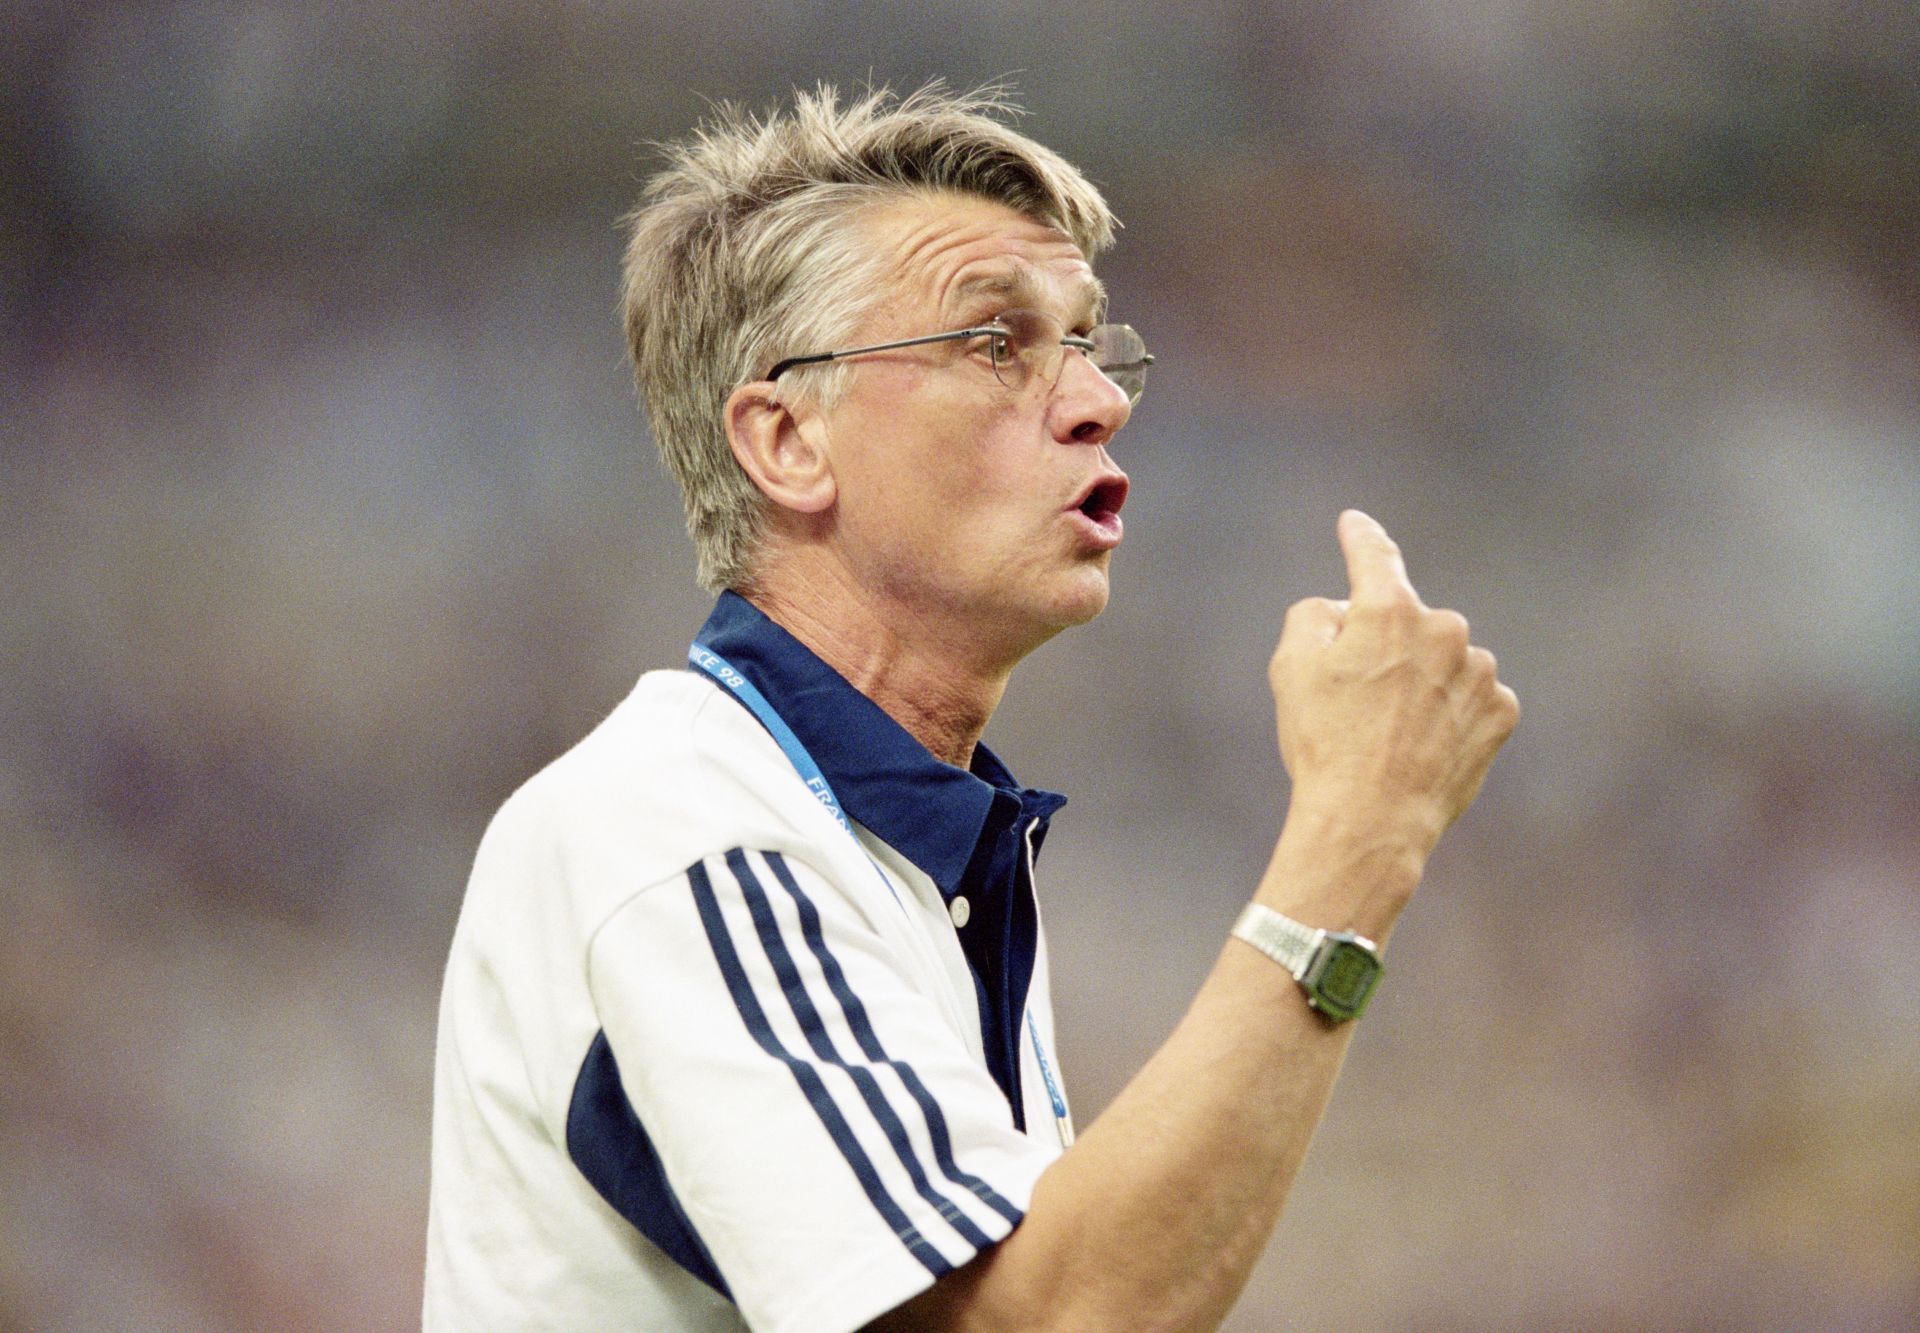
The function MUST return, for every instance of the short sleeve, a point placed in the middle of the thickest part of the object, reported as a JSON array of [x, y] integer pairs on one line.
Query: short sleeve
[[822, 1131]]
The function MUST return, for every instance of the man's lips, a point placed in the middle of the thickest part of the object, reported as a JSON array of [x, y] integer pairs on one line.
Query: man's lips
[[1099, 504]]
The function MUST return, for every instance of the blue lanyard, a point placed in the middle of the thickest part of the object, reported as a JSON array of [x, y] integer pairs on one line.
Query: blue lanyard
[[722, 672], [1061, 1121], [717, 668]]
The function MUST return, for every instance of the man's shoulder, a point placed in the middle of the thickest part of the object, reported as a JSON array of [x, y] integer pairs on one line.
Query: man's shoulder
[[677, 771], [666, 733]]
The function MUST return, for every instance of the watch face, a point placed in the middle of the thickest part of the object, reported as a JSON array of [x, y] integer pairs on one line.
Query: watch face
[[1346, 979]]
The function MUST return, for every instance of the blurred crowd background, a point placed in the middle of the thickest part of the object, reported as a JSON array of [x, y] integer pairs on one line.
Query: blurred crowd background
[[327, 517]]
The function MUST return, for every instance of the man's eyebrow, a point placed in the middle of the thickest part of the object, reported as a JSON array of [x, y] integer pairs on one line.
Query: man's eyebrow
[[1017, 286], [1090, 300]]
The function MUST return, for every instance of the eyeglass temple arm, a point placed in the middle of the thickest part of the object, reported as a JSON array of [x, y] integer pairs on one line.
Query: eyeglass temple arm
[[782, 367]]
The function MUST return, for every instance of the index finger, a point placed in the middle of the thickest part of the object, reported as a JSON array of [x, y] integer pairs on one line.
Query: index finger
[[1374, 567]]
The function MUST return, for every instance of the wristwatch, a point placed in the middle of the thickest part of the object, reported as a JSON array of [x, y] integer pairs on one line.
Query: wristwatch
[[1336, 968]]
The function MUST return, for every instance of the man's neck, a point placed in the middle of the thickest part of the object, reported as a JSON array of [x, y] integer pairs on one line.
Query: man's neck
[[915, 669]]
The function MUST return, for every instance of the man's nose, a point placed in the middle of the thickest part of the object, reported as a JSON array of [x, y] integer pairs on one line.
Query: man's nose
[[1086, 407]]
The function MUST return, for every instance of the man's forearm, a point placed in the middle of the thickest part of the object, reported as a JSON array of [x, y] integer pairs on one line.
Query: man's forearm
[[1157, 1214]]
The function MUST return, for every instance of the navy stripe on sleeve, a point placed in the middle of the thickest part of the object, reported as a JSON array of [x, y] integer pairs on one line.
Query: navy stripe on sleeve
[[815, 1029], [805, 1075], [862, 1029]]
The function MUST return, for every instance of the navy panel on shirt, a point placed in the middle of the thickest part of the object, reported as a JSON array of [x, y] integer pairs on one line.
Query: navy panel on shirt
[[964, 828], [613, 1151]]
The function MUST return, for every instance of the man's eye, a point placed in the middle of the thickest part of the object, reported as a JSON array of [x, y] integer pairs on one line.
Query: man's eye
[[1011, 339]]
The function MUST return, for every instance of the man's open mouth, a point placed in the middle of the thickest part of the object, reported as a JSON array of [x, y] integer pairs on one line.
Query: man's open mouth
[[1104, 500]]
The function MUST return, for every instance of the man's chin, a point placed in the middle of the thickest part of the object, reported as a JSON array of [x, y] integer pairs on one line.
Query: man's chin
[[1092, 604], [1080, 599]]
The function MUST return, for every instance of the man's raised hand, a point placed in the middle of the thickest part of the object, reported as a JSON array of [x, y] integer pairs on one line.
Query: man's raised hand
[[1388, 714]]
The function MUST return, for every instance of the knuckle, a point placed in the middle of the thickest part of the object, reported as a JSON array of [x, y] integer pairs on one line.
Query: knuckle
[[1277, 663], [1509, 707], [1452, 629], [1309, 610]]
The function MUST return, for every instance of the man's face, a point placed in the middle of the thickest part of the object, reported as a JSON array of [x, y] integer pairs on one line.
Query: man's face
[[989, 512]]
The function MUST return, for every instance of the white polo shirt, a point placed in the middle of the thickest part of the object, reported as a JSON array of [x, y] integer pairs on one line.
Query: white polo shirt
[[706, 1061]]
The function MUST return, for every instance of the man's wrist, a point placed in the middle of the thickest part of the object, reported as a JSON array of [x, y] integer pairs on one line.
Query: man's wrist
[[1328, 873], [1361, 815]]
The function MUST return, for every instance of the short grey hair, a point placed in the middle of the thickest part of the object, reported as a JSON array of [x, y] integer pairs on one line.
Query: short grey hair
[[745, 248]]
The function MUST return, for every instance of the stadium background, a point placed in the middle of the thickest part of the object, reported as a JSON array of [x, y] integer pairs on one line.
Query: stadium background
[[327, 517]]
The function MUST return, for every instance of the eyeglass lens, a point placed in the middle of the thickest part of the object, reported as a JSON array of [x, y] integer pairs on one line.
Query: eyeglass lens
[[1034, 346]]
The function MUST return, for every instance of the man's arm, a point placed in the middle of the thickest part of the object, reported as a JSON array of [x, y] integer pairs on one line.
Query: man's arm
[[1388, 719]]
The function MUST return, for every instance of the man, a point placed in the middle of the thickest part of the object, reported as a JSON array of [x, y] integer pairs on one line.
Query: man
[[747, 1017]]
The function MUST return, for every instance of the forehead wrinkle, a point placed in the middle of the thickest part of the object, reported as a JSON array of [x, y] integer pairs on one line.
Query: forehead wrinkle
[[960, 250], [926, 249], [1021, 285]]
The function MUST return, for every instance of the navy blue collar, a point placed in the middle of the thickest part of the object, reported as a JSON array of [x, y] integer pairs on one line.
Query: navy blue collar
[[932, 813]]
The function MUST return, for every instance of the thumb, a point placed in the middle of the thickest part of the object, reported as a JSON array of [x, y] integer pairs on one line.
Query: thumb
[[1374, 567]]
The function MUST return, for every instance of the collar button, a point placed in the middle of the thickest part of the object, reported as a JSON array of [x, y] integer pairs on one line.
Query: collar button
[[960, 910]]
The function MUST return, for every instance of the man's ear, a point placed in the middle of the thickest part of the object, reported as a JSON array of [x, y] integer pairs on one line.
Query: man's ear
[[781, 448]]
